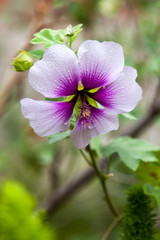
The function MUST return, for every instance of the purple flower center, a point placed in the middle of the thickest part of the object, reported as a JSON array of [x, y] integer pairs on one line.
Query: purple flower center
[[85, 114], [84, 108]]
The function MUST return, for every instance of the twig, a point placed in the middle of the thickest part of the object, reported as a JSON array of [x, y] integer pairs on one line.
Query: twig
[[102, 181], [12, 78], [61, 195], [143, 123], [152, 113], [109, 230]]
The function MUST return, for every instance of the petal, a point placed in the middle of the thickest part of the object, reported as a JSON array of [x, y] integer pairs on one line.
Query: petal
[[103, 121], [123, 94], [47, 117], [100, 63], [57, 74]]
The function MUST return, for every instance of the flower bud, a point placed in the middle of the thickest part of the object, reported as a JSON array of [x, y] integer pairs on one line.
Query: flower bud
[[70, 31], [22, 62]]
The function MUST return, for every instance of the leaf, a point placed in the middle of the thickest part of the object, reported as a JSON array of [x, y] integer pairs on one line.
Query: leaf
[[150, 190], [58, 136], [48, 37], [37, 53], [149, 172], [132, 151], [130, 116]]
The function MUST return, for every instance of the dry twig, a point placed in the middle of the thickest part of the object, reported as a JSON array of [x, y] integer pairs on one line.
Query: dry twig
[[12, 78]]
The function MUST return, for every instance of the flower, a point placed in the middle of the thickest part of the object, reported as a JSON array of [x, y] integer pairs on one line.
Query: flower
[[95, 77]]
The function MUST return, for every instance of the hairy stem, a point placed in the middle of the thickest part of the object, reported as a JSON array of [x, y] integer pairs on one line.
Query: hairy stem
[[102, 181]]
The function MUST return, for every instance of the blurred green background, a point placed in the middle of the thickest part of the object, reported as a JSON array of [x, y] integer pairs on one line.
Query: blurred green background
[[43, 167]]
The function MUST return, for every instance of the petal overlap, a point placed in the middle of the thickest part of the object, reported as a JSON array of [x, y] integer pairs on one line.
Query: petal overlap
[[123, 94], [99, 63], [47, 117], [57, 74], [60, 73], [103, 121]]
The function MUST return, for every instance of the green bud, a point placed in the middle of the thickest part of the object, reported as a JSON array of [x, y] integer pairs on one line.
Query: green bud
[[70, 31], [22, 62]]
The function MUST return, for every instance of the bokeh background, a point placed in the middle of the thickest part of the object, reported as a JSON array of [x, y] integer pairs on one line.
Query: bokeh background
[[43, 167]]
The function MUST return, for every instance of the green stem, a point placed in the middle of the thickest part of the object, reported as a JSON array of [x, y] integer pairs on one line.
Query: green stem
[[70, 43], [85, 157], [102, 181]]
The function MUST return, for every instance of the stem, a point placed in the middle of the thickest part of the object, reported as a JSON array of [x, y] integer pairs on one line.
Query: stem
[[109, 230], [70, 43], [102, 181], [85, 157]]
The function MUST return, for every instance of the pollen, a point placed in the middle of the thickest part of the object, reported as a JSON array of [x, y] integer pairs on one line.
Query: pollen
[[85, 114]]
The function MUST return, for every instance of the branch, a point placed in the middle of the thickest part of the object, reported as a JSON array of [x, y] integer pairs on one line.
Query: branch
[[152, 113], [109, 230], [12, 78], [62, 194]]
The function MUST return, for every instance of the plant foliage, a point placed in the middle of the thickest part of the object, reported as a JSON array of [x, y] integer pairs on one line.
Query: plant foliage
[[132, 151], [138, 220], [17, 221]]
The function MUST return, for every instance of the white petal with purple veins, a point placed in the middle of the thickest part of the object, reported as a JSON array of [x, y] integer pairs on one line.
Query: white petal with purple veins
[[123, 94], [99, 63], [57, 74], [47, 117]]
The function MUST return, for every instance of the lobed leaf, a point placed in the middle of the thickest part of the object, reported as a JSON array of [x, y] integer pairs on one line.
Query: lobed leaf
[[132, 151], [37, 53], [153, 191], [48, 37]]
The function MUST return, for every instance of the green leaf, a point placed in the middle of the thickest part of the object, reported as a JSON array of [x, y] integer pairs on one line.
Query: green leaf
[[48, 37], [130, 116], [149, 172], [150, 190], [132, 151], [37, 53], [58, 137]]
